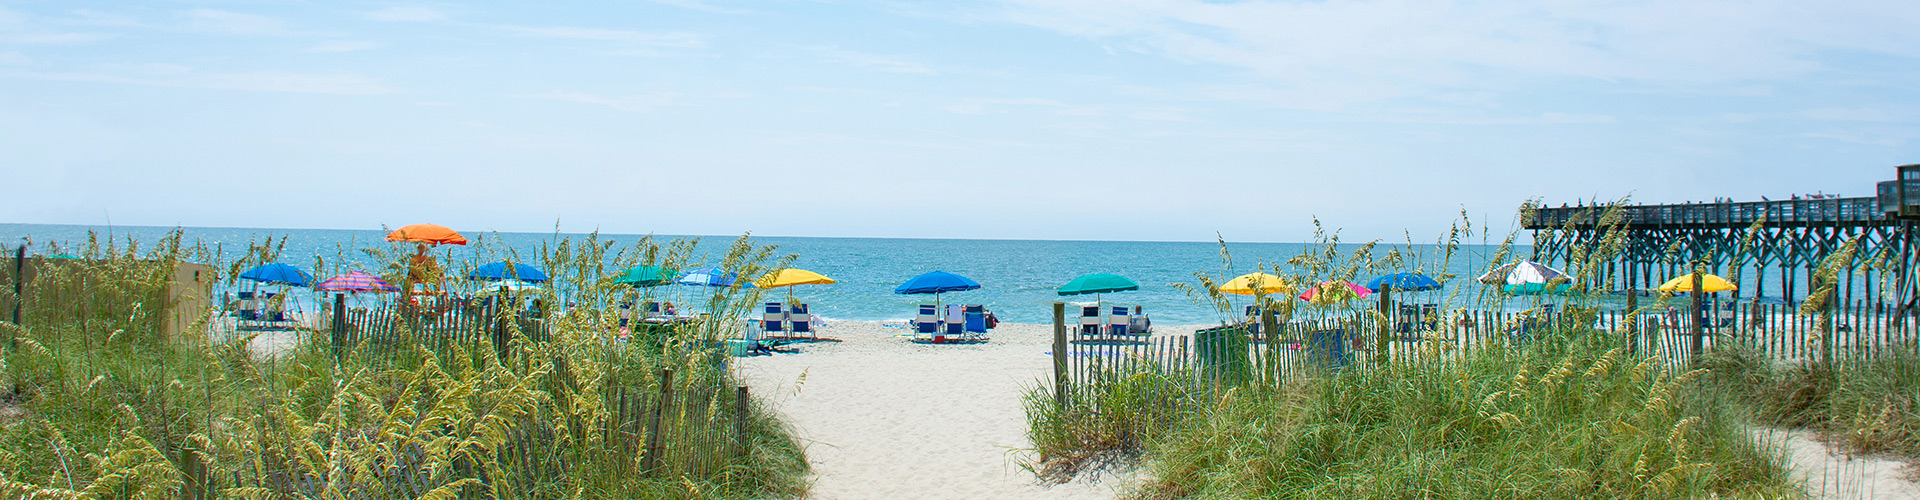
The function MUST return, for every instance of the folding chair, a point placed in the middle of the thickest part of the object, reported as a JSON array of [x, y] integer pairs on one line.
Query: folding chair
[[1117, 323], [773, 319]]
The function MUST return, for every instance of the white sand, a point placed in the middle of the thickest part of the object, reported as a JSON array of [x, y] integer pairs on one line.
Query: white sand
[[886, 418], [1830, 474]]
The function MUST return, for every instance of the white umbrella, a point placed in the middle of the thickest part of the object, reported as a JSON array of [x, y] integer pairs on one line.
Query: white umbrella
[[1525, 272]]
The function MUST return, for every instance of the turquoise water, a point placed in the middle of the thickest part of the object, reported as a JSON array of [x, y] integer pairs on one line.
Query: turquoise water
[[1018, 277]]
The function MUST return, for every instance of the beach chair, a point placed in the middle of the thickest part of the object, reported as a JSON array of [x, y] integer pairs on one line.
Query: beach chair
[[976, 319], [928, 321], [1328, 347], [773, 319], [1139, 325], [956, 321], [1723, 315], [800, 321], [649, 309], [1117, 324], [1090, 321]]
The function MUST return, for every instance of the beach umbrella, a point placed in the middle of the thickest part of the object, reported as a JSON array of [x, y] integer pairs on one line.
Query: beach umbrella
[[1709, 283], [356, 281], [434, 234], [1538, 289], [1331, 292], [936, 283], [502, 271], [511, 286], [1097, 284], [707, 276], [645, 276], [1256, 283], [277, 273], [789, 278], [1411, 282], [1524, 272]]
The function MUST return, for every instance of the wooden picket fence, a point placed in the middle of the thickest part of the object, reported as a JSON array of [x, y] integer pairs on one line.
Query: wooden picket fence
[[1244, 352]]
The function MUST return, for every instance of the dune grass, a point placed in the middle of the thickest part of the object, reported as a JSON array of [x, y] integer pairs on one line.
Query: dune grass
[[1570, 412], [1570, 416], [1867, 405], [96, 401]]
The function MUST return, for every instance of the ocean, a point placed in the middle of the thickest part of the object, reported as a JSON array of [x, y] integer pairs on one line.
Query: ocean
[[1018, 277]]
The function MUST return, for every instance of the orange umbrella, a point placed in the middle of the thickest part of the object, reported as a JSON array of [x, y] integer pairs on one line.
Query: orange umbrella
[[427, 233]]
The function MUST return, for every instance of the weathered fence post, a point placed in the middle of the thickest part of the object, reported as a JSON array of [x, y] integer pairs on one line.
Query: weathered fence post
[[1699, 314], [1380, 341], [655, 431], [194, 487], [740, 415], [501, 315], [19, 276], [1060, 354], [339, 326]]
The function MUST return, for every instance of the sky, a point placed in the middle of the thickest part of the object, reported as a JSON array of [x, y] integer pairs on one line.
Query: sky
[[1045, 119]]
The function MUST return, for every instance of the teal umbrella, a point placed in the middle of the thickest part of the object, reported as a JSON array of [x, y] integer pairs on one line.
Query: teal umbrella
[[1098, 283], [646, 276], [1539, 289]]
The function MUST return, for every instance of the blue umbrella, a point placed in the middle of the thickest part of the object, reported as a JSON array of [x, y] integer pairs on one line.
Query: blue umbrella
[[499, 271], [936, 282], [1412, 282], [707, 276], [277, 273]]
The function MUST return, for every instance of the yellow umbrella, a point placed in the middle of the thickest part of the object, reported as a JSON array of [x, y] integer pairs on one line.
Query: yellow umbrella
[[1709, 282], [1248, 284], [791, 277]]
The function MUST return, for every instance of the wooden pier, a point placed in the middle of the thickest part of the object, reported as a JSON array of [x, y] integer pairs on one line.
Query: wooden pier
[[1750, 242]]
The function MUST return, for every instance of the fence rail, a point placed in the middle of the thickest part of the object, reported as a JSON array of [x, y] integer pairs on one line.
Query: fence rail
[[1849, 334]]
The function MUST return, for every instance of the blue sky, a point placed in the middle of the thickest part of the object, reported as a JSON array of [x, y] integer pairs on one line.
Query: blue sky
[[1055, 119]]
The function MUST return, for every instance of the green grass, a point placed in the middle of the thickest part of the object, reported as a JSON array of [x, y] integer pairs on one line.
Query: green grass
[[1867, 405], [1569, 417], [1569, 414], [97, 402]]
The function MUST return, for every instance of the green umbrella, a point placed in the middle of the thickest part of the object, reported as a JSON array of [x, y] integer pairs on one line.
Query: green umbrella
[[1539, 289], [1098, 283], [646, 276]]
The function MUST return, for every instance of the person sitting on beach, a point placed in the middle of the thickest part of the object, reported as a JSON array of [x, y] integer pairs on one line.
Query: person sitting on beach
[[669, 310]]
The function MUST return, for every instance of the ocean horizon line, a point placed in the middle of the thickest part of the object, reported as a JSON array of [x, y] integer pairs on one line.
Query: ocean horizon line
[[749, 234]]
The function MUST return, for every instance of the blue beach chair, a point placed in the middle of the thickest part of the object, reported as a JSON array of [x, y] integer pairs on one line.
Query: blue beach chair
[[773, 319], [976, 319], [928, 321]]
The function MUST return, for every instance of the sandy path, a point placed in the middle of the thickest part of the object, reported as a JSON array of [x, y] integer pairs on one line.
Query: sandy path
[[1832, 475], [885, 418]]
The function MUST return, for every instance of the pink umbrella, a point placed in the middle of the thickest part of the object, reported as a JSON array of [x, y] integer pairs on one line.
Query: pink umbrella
[[1328, 292], [356, 282]]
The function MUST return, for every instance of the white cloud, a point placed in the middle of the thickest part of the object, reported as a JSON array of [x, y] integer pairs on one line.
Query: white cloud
[[406, 15], [344, 46], [1405, 46], [233, 23], [173, 75], [1874, 114], [631, 103], [14, 58], [999, 106], [888, 64], [53, 38], [679, 40], [701, 5]]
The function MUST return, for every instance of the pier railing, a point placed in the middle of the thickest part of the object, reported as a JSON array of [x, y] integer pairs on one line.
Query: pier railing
[[1826, 211]]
